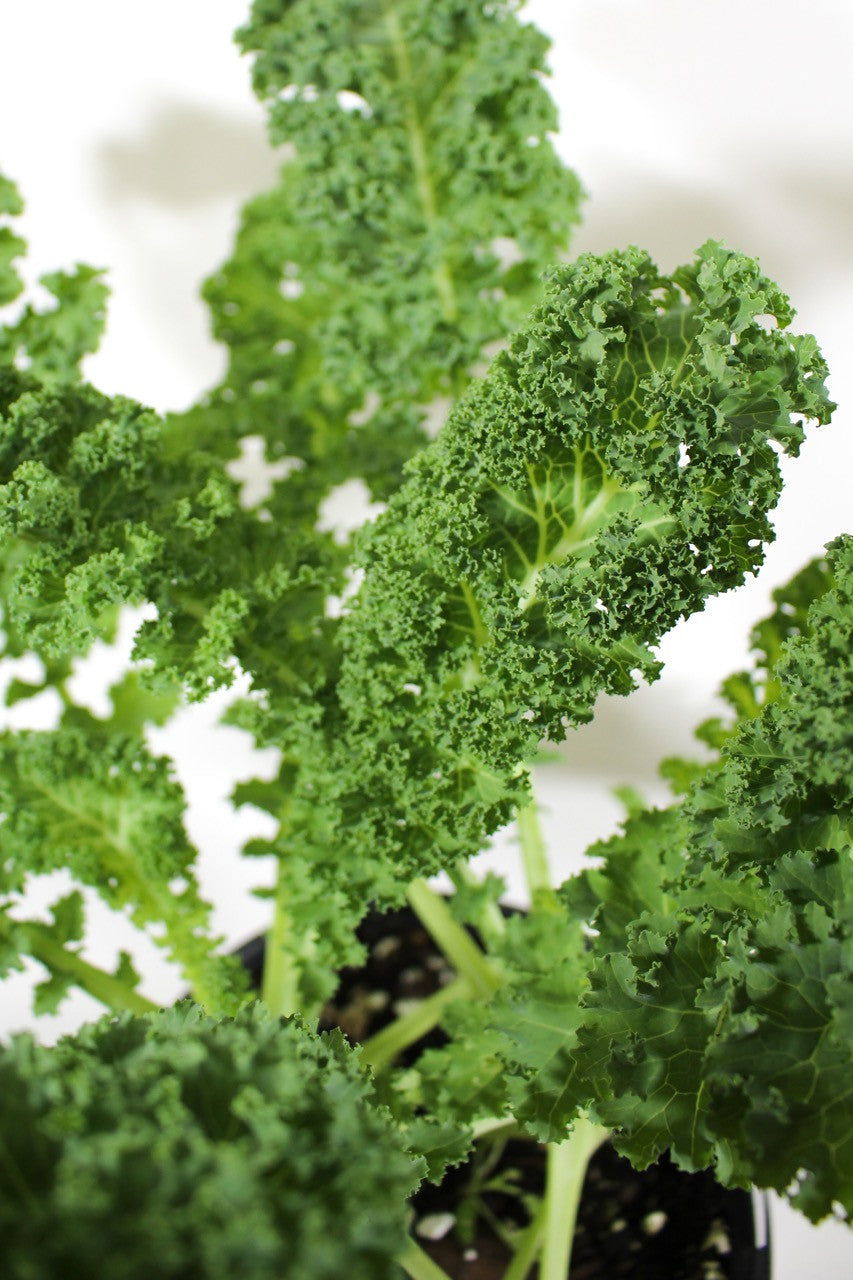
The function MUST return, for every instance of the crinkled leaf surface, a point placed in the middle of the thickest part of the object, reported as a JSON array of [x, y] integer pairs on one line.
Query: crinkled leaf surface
[[613, 470], [177, 1146], [91, 798], [419, 200], [719, 1017]]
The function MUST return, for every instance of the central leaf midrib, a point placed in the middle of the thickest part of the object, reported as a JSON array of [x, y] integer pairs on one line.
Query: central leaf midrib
[[123, 859], [156, 900], [420, 163], [577, 536]]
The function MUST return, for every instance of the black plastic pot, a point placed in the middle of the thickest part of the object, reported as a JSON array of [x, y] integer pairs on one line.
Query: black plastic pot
[[659, 1224]]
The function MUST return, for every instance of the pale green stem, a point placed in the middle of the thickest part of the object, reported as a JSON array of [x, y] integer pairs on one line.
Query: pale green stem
[[567, 1164], [534, 855], [280, 985], [105, 987], [493, 1124], [528, 1246], [453, 939], [419, 1265], [380, 1050]]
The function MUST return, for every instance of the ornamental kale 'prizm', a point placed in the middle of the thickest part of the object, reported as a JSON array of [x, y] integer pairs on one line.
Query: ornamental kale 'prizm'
[[613, 470]]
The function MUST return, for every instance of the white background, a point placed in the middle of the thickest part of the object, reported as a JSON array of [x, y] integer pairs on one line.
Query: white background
[[134, 137]]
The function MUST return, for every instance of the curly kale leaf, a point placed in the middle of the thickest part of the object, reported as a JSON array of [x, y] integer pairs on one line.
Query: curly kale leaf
[[96, 511], [77, 475], [175, 1145], [93, 516], [57, 946], [90, 797], [98, 508], [418, 204], [49, 343], [12, 246], [747, 691], [718, 1021], [614, 470]]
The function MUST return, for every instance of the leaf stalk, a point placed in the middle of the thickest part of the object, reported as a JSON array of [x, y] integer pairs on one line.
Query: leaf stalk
[[453, 939], [567, 1165], [105, 987], [418, 1265]]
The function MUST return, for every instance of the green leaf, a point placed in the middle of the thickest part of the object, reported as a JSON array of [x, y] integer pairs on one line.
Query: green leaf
[[126, 971], [441, 1144], [176, 1145], [50, 343], [463, 1081], [541, 547], [779, 1076], [68, 918], [55, 341], [66, 967], [419, 200], [48, 995], [512, 1055], [73, 494], [135, 705], [718, 1023], [537, 1013], [93, 800], [11, 245], [649, 1022]]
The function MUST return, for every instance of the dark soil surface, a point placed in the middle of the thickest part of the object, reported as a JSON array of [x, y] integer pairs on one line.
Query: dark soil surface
[[660, 1224]]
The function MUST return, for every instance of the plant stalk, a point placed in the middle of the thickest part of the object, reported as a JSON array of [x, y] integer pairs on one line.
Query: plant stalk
[[380, 1050], [280, 984], [424, 182], [489, 921], [419, 1265], [105, 987], [494, 1124], [567, 1164], [453, 939], [528, 1246], [534, 855]]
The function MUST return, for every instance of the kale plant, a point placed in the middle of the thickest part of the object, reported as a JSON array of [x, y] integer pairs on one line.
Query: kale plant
[[612, 470]]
